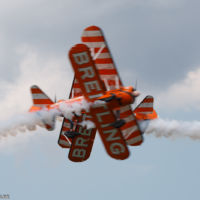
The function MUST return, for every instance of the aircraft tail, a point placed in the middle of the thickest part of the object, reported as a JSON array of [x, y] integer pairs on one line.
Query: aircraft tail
[[40, 101], [145, 110]]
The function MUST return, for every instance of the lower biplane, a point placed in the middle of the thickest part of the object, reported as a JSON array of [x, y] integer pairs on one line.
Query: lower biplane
[[97, 80]]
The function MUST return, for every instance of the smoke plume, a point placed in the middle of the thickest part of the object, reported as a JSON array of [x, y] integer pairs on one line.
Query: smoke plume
[[158, 127], [172, 128], [30, 121]]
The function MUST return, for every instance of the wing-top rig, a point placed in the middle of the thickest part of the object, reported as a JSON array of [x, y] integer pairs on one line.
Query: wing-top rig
[[97, 84]]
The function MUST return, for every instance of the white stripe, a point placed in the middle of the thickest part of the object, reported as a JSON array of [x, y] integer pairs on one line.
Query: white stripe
[[129, 118], [127, 132], [146, 105], [106, 84], [134, 140], [94, 44], [104, 66], [39, 96], [146, 113], [91, 33], [109, 77]]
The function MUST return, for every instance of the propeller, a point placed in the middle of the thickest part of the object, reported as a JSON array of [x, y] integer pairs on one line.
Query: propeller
[[135, 89], [55, 99]]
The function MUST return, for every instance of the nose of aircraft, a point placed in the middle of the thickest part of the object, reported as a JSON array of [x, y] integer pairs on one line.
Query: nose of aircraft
[[136, 93]]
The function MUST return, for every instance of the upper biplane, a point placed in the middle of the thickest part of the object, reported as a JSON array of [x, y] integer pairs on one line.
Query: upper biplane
[[97, 80]]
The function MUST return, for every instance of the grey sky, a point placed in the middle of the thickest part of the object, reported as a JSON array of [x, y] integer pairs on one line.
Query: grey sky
[[162, 38], [155, 41]]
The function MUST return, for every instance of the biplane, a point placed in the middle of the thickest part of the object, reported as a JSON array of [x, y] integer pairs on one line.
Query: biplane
[[96, 80]]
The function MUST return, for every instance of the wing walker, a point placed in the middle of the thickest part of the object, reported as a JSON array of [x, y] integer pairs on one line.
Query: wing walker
[[97, 80]]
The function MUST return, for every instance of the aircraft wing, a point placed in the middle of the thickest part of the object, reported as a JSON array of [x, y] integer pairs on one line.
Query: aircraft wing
[[92, 88], [84, 152], [93, 37], [63, 141], [82, 144], [76, 89]]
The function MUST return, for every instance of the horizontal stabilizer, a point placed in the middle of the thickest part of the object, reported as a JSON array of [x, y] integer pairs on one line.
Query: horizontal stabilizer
[[144, 110], [39, 98]]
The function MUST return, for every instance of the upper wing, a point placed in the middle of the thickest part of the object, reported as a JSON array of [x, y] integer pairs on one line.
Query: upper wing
[[86, 72], [93, 37], [76, 89], [95, 40]]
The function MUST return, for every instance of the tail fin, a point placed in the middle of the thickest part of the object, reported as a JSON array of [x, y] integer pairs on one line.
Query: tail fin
[[145, 109], [41, 100]]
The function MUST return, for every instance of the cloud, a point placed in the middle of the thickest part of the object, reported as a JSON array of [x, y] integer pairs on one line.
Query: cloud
[[52, 74], [182, 95]]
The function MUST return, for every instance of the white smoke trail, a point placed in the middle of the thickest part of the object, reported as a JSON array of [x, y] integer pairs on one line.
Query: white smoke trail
[[19, 123], [30, 121], [158, 127], [172, 128]]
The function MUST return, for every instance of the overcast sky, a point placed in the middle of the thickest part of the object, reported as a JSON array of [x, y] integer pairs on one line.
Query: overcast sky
[[155, 42]]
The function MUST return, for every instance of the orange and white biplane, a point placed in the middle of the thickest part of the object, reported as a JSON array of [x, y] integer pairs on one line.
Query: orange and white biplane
[[96, 79]]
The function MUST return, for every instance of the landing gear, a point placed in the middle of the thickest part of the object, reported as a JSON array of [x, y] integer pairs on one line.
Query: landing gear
[[119, 122], [72, 133]]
